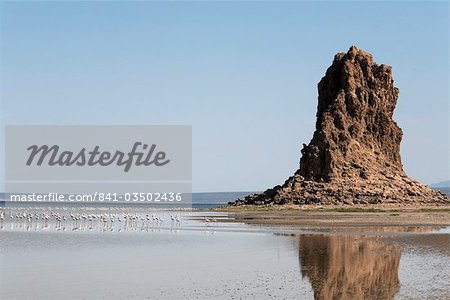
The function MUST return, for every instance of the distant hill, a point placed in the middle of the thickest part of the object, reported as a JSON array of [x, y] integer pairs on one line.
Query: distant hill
[[445, 183], [443, 186]]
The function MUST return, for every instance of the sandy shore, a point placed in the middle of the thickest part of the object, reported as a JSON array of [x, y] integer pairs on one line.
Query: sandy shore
[[331, 216]]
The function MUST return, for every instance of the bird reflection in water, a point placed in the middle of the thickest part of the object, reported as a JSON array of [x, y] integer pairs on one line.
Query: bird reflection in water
[[350, 267]]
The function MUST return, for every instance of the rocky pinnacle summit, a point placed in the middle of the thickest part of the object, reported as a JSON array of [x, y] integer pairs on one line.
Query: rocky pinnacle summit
[[354, 154]]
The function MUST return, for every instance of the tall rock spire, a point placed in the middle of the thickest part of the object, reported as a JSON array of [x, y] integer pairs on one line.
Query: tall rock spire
[[354, 123], [354, 154]]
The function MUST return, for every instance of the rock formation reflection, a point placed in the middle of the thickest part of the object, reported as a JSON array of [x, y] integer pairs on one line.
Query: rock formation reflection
[[350, 267]]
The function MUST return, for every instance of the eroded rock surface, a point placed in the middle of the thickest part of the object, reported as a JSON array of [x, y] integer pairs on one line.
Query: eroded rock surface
[[354, 154]]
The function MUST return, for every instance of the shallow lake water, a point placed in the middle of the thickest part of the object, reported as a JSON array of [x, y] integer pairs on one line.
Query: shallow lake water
[[141, 254]]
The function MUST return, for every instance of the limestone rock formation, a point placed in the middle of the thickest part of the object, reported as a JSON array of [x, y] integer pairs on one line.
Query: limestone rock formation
[[354, 154]]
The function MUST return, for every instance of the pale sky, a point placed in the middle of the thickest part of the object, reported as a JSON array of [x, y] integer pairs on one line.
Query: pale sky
[[243, 74]]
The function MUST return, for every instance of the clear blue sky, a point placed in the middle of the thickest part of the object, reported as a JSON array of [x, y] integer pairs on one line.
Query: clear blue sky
[[244, 74]]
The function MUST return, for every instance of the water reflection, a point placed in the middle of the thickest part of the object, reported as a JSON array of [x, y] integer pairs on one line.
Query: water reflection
[[350, 267]]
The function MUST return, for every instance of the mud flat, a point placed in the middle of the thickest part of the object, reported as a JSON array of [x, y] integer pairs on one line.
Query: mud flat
[[347, 216]]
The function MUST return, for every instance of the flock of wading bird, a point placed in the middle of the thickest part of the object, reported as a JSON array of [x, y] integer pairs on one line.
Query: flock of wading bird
[[43, 219]]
